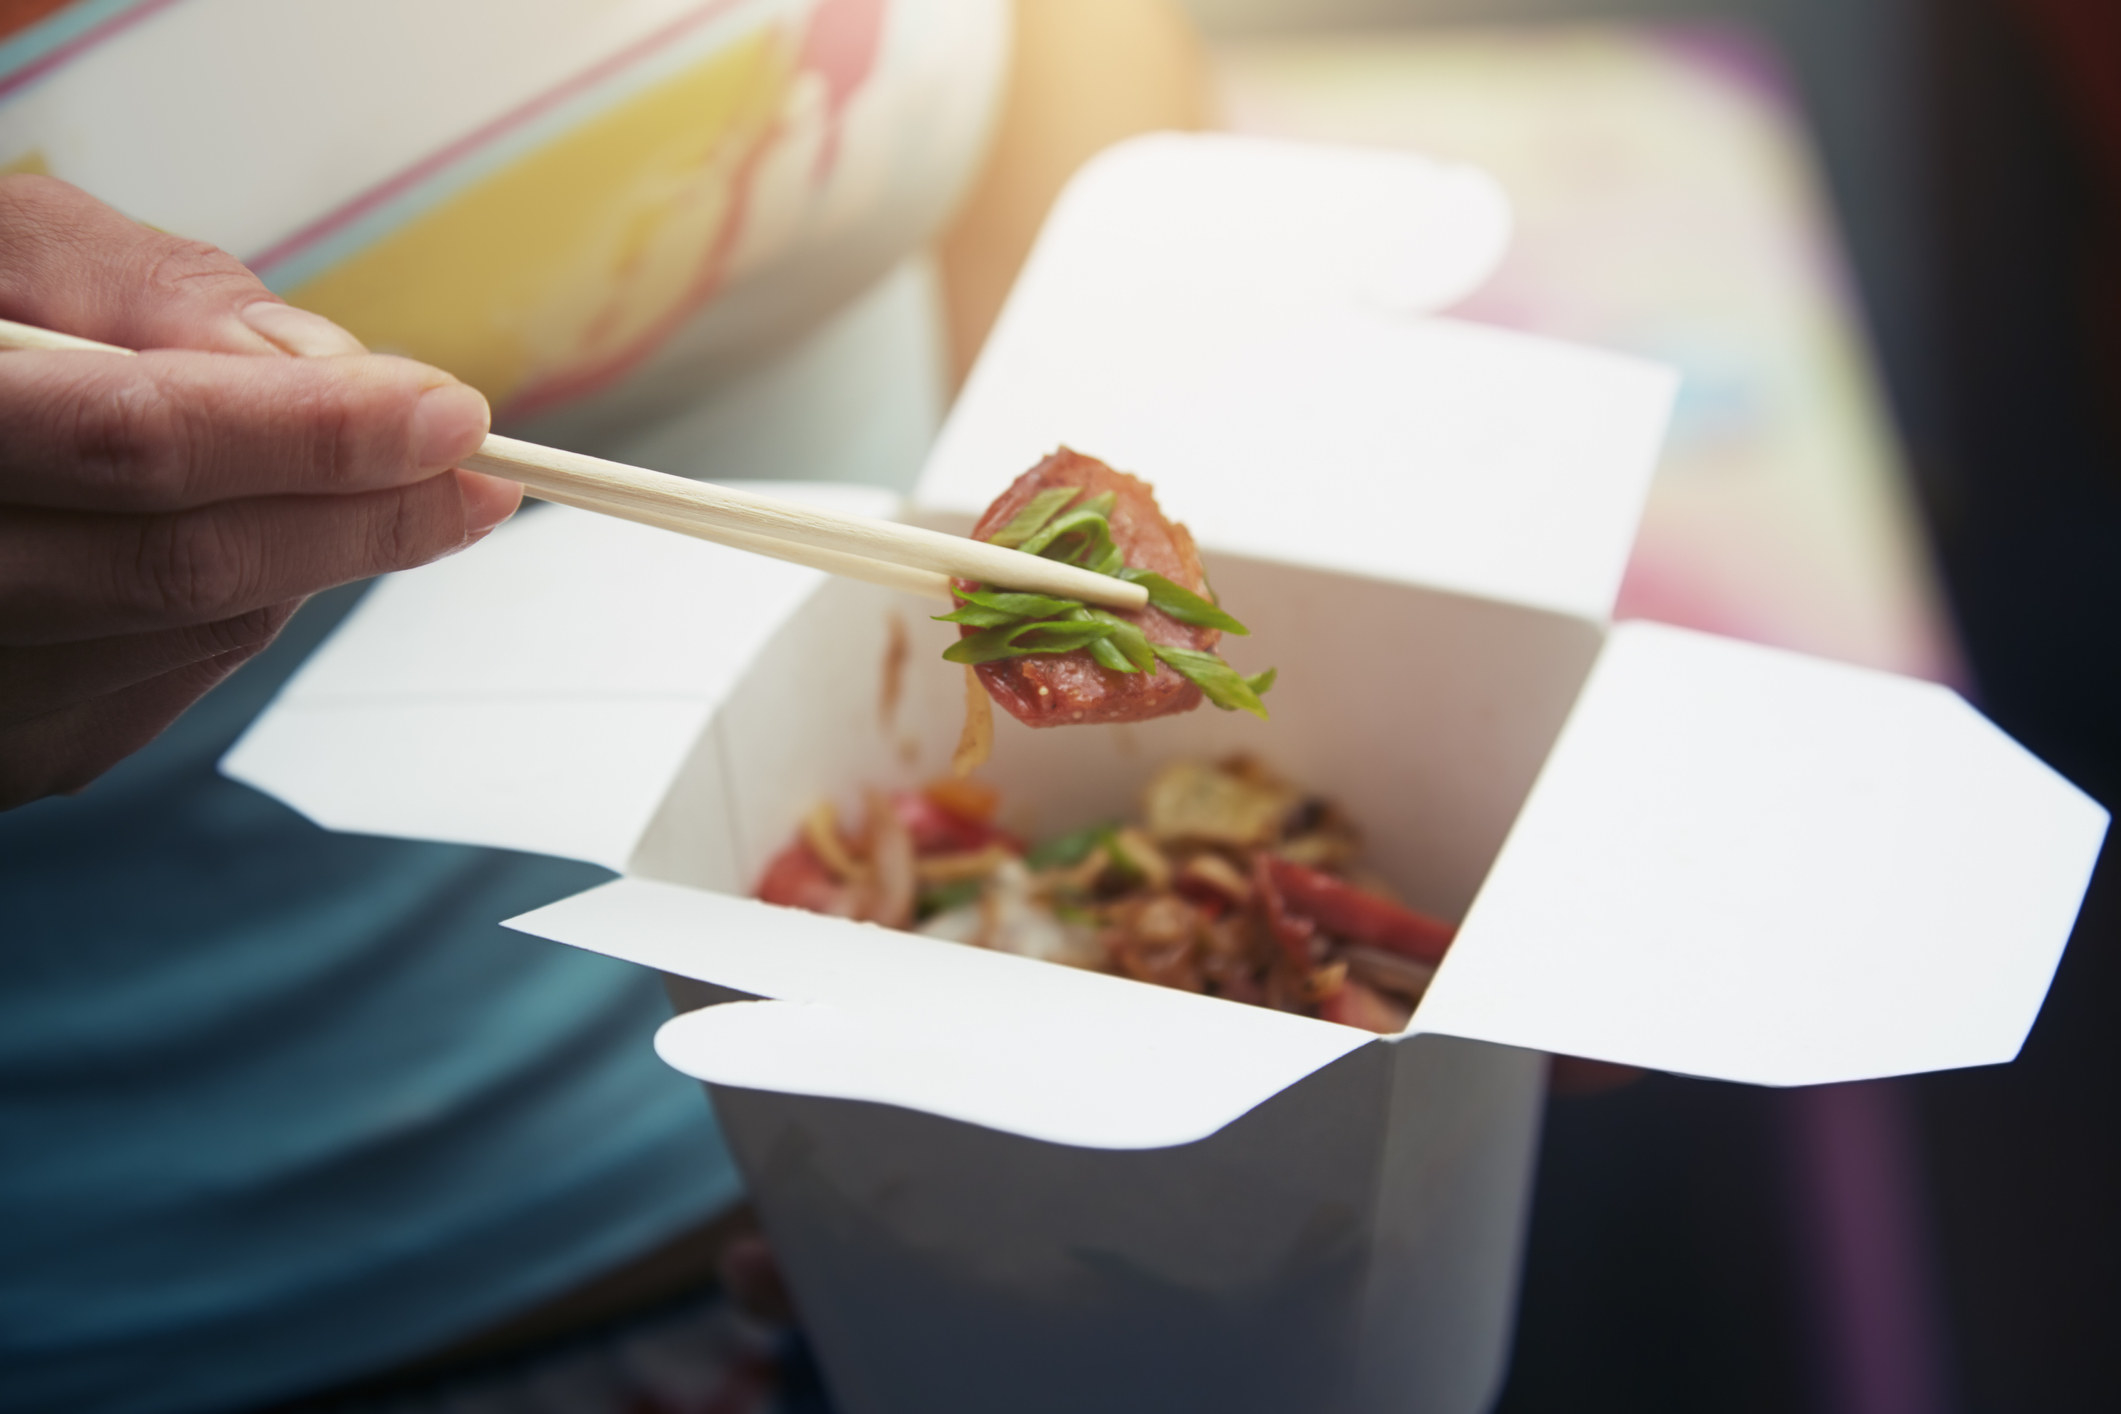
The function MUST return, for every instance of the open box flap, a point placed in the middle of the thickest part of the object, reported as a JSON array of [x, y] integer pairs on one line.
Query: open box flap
[[863, 1013], [1244, 324], [537, 692], [1750, 865]]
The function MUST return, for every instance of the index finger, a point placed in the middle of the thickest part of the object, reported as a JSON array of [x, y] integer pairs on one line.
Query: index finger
[[170, 430]]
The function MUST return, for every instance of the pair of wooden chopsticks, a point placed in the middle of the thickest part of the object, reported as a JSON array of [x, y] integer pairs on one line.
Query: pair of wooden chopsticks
[[859, 547]]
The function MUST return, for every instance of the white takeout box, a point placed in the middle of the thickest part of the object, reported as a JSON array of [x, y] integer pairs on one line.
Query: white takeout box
[[999, 1184]]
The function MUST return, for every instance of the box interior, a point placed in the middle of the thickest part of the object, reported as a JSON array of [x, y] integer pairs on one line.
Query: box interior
[[1425, 714]]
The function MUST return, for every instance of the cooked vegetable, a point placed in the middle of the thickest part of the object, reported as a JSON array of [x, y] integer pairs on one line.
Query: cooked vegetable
[[1234, 884], [975, 742]]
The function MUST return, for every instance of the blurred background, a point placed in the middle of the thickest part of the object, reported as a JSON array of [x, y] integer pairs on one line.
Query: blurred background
[[1880, 240]]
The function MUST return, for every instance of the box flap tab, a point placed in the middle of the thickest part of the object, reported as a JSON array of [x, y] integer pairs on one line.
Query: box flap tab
[[537, 692], [1750, 865], [1243, 323], [863, 1013]]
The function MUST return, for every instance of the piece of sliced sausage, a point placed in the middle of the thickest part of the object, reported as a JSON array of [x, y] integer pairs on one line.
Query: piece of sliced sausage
[[1069, 689]]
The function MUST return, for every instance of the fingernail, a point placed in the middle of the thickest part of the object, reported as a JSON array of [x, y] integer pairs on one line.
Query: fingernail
[[297, 331], [488, 500], [447, 425]]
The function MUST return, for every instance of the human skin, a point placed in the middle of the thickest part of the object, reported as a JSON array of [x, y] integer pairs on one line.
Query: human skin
[[162, 516]]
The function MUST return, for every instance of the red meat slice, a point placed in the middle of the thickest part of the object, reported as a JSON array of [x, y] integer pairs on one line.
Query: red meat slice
[[1069, 689]]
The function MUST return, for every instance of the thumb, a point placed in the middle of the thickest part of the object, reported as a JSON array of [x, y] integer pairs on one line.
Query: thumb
[[78, 266]]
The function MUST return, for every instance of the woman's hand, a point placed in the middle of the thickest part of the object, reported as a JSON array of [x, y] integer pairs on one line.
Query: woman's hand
[[162, 516]]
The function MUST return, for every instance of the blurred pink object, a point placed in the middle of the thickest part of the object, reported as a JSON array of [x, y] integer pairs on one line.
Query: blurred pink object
[[1666, 205]]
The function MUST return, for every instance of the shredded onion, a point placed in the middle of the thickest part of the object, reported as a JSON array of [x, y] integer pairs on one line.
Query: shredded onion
[[1390, 971], [976, 742], [891, 854], [821, 830], [962, 865]]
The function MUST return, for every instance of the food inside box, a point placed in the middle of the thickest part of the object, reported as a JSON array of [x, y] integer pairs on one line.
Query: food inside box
[[1232, 882]]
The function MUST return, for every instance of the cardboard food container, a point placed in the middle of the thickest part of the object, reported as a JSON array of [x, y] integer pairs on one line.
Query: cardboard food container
[[997, 1183]]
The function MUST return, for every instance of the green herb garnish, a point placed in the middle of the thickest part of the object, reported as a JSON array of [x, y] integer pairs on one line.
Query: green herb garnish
[[944, 897], [1019, 640], [1182, 603], [1033, 517], [1067, 851], [1128, 643], [990, 608], [1016, 625], [1218, 681], [1082, 536]]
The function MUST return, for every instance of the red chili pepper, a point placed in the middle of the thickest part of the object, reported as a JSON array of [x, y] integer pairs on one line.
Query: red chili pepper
[[1353, 914], [1297, 936], [1211, 901], [939, 831]]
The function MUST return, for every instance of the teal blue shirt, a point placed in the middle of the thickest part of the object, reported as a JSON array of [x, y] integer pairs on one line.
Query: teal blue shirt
[[278, 1106]]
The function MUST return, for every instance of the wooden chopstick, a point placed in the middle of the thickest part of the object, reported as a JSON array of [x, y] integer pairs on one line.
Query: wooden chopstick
[[884, 552], [925, 583], [702, 508], [29, 336]]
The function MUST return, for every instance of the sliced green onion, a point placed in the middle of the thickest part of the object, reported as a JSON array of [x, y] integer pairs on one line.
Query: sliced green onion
[[973, 616], [1218, 681], [1182, 603], [1067, 851], [1036, 512], [1073, 535], [1129, 641], [1105, 655], [1021, 640], [1030, 606], [944, 897], [1006, 603]]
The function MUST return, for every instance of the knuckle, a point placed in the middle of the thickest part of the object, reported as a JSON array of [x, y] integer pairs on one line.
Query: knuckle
[[247, 633], [189, 568], [331, 429], [135, 443], [179, 269], [315, 425], [222, 664], [393, 533], [412, 527]]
